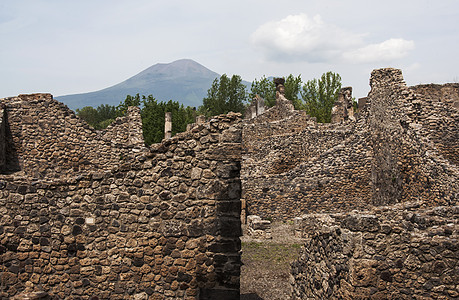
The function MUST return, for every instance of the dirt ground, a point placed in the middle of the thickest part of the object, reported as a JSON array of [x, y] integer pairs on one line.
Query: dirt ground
[[265, 272]]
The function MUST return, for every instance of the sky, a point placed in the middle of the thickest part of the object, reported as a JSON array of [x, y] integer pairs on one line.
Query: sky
[[67, 47]]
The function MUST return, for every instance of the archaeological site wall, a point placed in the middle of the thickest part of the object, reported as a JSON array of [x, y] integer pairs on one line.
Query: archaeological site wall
[[385, 156], [163, 223], [437, 112], [96, 213], [407, 165], [402, 251], [46, 139], [291, 162], [405, 243]]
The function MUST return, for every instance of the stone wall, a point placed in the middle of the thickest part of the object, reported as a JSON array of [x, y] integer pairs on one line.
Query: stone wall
[[343, 108], [164, 224], [256, 107], [437, 111], [395, 151], [319, 169], [408, 249], [47, 139], [126, 132], [391, 252], [407, 165]]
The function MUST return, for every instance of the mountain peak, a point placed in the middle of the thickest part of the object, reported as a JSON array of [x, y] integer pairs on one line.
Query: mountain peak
[[178, 68], [182, 80]]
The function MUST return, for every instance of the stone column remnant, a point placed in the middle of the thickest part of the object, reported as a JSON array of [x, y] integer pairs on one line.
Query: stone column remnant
[[168, 125], [201, 119], [260, 105], [256, 107], [280, 88]]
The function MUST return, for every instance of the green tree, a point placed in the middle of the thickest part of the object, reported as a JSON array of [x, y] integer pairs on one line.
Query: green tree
[[106, 112], [129, 101], [100, 117], [266, 89], [320, 95], [89, 114], [153, 113], [292, 90], [224, 95]]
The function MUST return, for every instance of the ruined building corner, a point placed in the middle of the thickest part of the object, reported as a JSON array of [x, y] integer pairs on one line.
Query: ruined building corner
[[343, 109]]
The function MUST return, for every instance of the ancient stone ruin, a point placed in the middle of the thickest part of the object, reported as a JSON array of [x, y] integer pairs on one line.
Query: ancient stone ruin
[[403, 146], [87, 213], [94, 213], [343, 108], [380, 190]]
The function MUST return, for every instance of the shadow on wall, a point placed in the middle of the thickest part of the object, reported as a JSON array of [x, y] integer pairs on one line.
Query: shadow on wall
[[11, 159], [251, 296]]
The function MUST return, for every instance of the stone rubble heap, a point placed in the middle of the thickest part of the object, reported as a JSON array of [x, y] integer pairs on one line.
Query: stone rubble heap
[[258, 228]]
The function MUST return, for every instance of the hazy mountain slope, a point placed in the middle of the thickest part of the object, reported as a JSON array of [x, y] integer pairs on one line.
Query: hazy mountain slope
[[185, 81]]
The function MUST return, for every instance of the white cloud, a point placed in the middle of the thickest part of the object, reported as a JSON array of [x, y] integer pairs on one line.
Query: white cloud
[[301, 38], [383, 52]]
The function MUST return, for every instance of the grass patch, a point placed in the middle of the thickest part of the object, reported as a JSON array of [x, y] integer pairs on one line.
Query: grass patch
[[276, 254]]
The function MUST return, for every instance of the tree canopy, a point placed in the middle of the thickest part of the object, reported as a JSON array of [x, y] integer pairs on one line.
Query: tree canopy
[[319, 96], [292, 90], [99, 117], [266, 89], [152, 112], [316, 96], [153, 118], [225, 95]]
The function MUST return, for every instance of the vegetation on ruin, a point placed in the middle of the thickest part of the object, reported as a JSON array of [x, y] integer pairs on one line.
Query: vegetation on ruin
[[316, 96], [265, 88], [152, 112], [99, 117], [226, 94], [319, 95], [276, 254]]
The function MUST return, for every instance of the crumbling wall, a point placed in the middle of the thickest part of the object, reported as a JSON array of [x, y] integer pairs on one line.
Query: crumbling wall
[[126, 132], [391, 252], [436, 109], [50, 140], [343, 108], [400, 251], [275, 147], [407, 165], [333, 179], [165, 224], [387, 134], [256, 107], [293, 166], [290, 163]]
